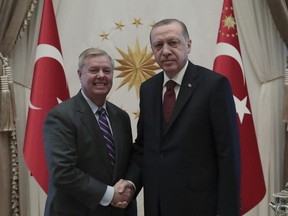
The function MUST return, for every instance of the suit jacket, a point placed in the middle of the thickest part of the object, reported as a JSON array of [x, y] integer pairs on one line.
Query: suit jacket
[[190, 166], [77, 158]]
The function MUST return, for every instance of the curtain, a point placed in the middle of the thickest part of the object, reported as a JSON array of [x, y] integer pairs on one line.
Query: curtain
[[264, 53], [14, 19], [279, 12]]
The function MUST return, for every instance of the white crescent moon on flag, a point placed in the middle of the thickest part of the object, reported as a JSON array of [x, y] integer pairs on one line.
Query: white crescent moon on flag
[[46, 50], [33, 107], [229, 50]]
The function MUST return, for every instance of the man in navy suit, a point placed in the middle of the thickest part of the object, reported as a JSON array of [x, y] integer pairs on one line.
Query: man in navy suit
[[82, 176], [188, 164]]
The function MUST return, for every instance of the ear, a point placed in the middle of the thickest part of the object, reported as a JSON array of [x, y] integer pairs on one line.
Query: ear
[[189, 45], [79, 75]]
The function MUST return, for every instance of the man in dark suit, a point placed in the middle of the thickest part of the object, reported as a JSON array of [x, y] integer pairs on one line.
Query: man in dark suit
[[188, 159], [82, 168]]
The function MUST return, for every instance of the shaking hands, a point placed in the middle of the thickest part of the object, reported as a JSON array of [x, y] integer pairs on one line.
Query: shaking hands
[[123, 194]]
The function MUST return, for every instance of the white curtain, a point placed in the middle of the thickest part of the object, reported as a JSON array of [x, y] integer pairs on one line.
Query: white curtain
[[81, 22], [264, 64]]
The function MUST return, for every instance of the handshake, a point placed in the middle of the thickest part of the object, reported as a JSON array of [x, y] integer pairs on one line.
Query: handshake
[[123, 193]]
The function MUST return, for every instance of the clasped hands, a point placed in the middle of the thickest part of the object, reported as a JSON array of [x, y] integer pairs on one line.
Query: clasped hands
[[123, 193]]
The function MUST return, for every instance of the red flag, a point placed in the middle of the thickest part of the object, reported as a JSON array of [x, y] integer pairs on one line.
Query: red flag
[[228, 62], [49, 87]]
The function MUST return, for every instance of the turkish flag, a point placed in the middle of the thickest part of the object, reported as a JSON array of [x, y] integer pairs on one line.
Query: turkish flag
[[49, 88], [228, 62]]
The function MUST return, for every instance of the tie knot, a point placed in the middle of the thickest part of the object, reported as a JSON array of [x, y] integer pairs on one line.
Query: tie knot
[[170, 84], [101, 111]]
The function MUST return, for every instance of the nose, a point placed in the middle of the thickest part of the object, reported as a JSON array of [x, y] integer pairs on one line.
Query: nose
[[100, 74], [166, 50]]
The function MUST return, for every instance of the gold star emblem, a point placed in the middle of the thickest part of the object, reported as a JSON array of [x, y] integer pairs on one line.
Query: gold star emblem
[[137, 22], [229, 22], [136, 66], [104, 36], [119, 25]]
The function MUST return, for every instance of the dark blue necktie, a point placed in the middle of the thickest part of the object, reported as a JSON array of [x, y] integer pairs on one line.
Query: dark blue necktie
[[108, 138]]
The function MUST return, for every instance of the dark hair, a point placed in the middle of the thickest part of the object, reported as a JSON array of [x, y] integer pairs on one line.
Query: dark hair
[[169, 21]]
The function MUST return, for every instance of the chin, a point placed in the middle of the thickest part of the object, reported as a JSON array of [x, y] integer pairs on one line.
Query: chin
[[170, 72]]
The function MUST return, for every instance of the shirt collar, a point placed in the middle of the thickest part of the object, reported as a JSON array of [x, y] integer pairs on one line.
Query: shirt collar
[[178, 77], [92, 105]]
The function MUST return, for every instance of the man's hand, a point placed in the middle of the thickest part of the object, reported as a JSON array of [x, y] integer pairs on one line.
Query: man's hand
[[123, 193]]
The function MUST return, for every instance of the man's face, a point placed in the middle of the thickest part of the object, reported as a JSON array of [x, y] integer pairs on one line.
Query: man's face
[[96, 77], [170, 48]]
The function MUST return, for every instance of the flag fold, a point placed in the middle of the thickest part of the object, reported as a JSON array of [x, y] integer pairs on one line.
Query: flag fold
[[49, 87], [228, 62]]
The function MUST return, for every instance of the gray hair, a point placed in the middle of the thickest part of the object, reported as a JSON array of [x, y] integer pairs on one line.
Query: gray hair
[[93, 52]]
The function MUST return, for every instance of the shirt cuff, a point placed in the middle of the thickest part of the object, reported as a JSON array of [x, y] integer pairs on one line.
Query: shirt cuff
[[108, 196], [134, 187]]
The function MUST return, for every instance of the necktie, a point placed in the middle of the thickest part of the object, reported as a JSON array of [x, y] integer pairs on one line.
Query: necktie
[[108, 138], [169, 100]]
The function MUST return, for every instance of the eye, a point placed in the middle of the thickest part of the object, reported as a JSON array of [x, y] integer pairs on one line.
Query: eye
[[173, 43], [157, 46], [107, 70], [93, 70]]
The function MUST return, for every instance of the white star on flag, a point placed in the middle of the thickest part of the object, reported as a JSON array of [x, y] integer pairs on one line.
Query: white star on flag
[[241, 107], [228, 62]]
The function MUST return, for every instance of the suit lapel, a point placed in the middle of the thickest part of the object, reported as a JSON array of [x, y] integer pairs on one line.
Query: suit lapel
[[157, 117], [188, 86], [89, 121], [117, 133]]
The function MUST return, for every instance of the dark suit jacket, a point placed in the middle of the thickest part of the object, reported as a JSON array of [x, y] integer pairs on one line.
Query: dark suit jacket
[[77, 158], [191, 165]]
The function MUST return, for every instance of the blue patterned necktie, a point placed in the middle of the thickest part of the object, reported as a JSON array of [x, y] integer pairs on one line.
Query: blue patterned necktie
[[108, 138]]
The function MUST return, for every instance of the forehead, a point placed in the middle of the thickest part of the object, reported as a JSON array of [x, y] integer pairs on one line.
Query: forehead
[[165, 31], [98, 59]]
